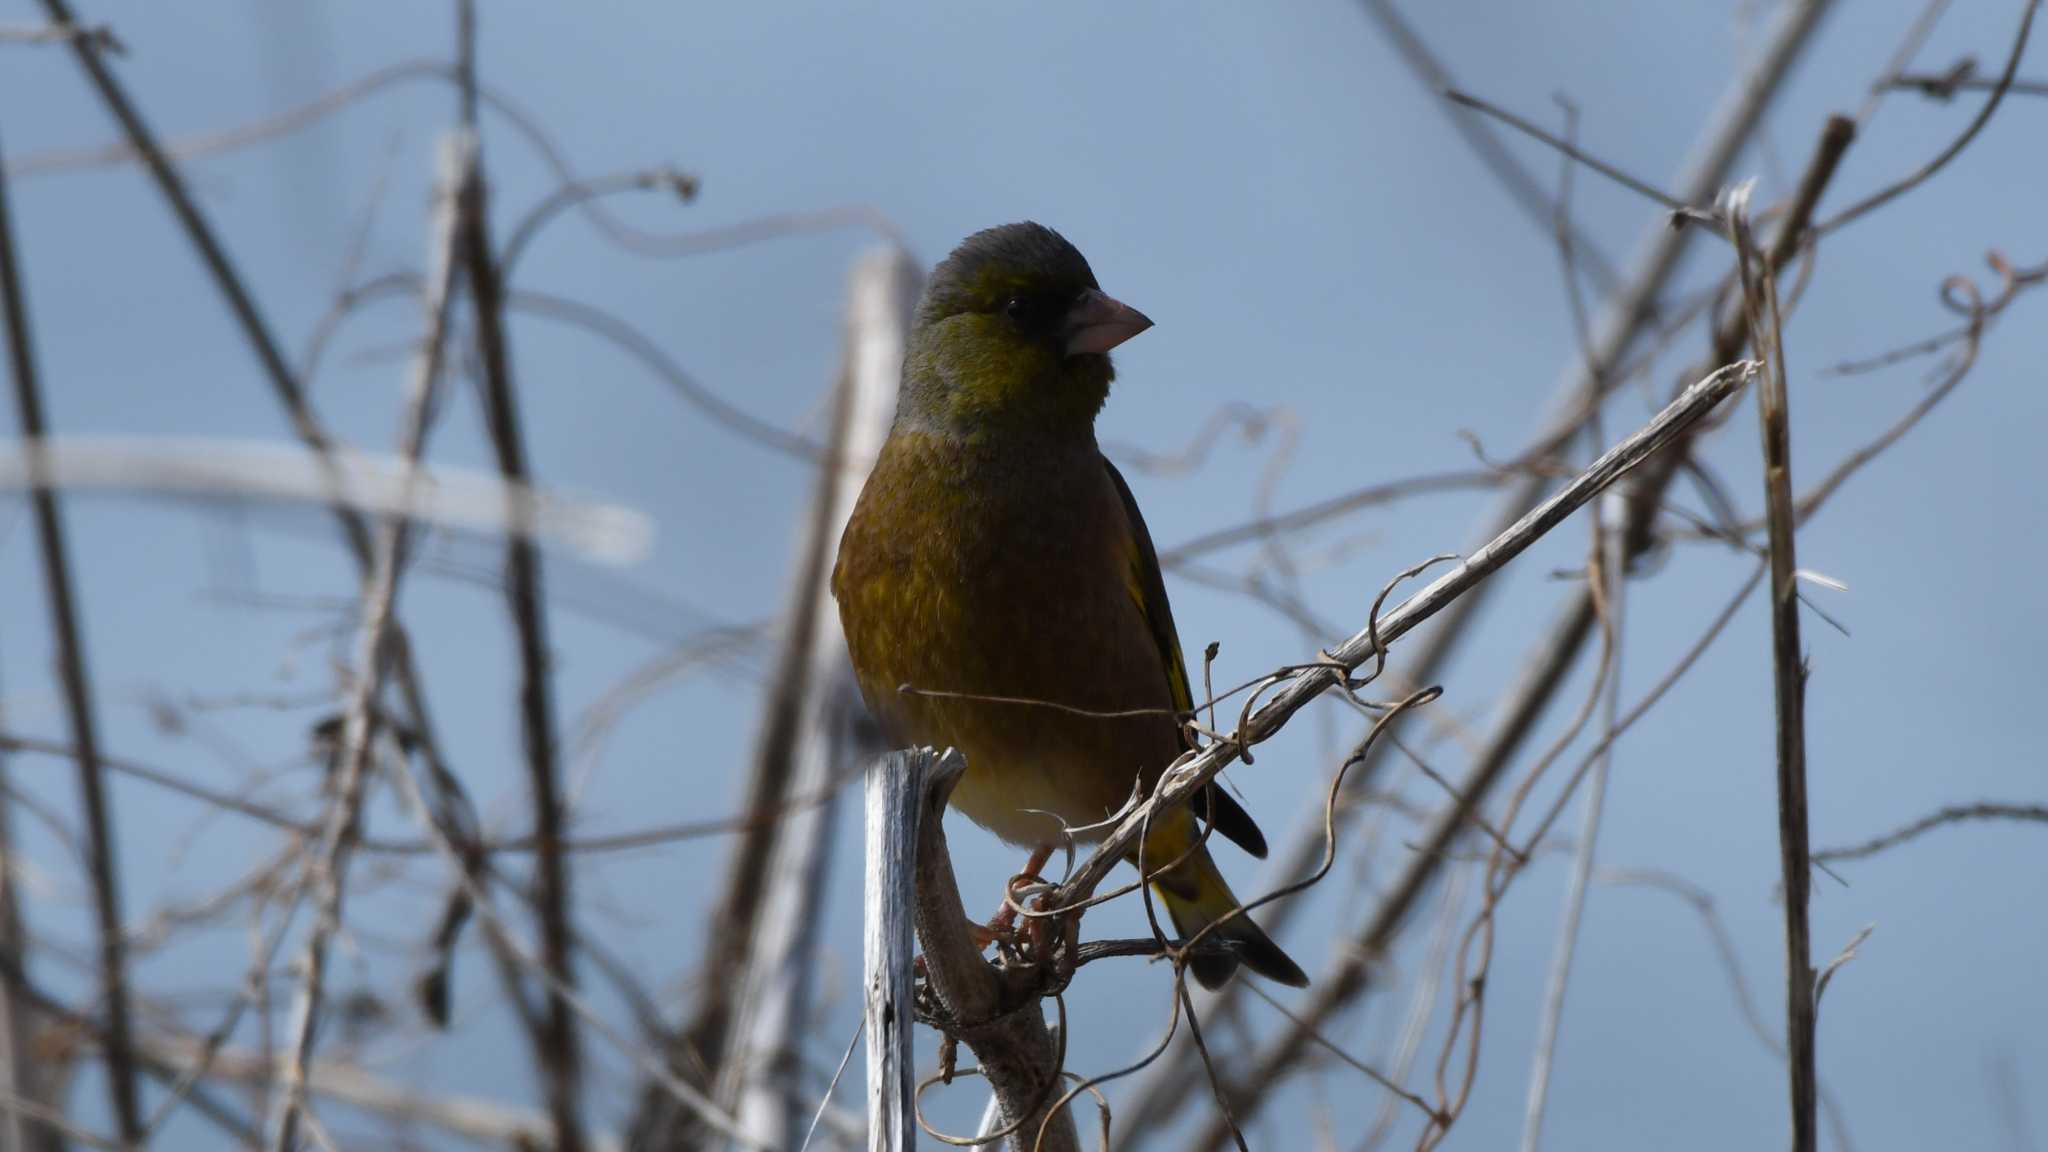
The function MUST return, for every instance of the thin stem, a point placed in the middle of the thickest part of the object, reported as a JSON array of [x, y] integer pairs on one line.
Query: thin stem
[[1788, 668], [559, 1051], [1955, 147], [77, 688], [373, 650], [1552, 1020]]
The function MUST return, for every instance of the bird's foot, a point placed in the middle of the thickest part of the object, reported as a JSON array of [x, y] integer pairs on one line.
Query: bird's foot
[[1001, 928], [1039, 934]]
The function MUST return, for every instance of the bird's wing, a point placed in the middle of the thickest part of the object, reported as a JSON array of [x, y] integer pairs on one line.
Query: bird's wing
[[1148, 591]]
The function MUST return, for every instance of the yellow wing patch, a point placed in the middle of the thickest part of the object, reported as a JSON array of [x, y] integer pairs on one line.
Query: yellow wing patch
[[1137, 579], [1147, 588]]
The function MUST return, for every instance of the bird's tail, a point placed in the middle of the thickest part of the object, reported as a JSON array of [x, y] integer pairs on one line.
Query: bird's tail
[[1196, 896]]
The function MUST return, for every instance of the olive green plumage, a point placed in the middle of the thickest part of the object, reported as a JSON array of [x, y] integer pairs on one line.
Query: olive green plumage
[[994, 552]]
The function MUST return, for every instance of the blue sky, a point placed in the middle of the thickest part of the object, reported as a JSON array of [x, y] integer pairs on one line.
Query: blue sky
[[1295, 213]]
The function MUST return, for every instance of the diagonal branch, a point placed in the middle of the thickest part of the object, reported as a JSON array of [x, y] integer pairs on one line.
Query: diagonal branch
[[20, 1078], [556, 1038], [78, 703], [833, 741], [1556, 653], [1521, 187], [1920, 175], [288, 388], [1625, 315], [254, 327], [374, 644], [1333, 669], [810, 691]]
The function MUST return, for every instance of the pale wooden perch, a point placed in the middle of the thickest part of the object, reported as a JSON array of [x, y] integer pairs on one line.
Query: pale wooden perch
[[994, 1011], [823, 743]]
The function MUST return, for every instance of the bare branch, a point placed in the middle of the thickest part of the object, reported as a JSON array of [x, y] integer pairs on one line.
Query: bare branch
[[76, 685], [1848, 953], [559, 1052], [646, 1062], [241, 136], [1702, 903], [896, 803], [635, 344], [1547, 670], [375, 566], [101, 35], [1628, 313], [1953, 814], [254, 327], [970, 999], [1962, 295], [1295, 690], [83, 1027], [825, 1101], [373, 649], [1760, 292], [682, 185], [1642, 706], [1909, 47], [1678, 208], [1955, 147], [50, 1120], [1944, 85], [21, 1077], [1610, 566], [1327, 509], [352, 483], [1522, 187], [480, 1120], [803, 730], [830, 742]]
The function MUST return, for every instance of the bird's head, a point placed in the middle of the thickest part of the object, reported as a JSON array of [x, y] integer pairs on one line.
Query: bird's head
[[1013, 332]]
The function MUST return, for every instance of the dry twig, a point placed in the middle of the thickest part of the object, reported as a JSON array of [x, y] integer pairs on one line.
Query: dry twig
[[1953, 814], [1547, 669], [756, 949], [1293, 691], [101, 35], [1920, 175], [373, 650], [555, 1037], [76, 685], [1760, 292], [1522, 188], [1577, 389]]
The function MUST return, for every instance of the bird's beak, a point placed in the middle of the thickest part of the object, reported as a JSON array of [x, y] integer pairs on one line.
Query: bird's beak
[[1098, 322]]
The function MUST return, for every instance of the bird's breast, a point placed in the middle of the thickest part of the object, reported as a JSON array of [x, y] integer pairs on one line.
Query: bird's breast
[[990, 612]]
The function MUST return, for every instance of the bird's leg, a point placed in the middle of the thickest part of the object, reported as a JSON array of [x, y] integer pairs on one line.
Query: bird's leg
[[1003, 925]]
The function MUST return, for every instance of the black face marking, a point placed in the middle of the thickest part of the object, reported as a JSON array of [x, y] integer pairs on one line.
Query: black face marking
[[1037, 314]]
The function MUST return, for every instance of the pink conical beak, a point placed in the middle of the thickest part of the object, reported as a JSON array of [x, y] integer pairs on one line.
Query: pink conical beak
[[1098, 322]]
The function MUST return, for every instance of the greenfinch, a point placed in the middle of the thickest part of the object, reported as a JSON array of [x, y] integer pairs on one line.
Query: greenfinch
[[1000, 593]]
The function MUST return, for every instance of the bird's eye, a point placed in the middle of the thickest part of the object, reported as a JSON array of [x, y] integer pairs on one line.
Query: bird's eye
[[1015, 307]]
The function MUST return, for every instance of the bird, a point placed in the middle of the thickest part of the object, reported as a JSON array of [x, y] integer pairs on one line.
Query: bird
[[1000, 594]]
